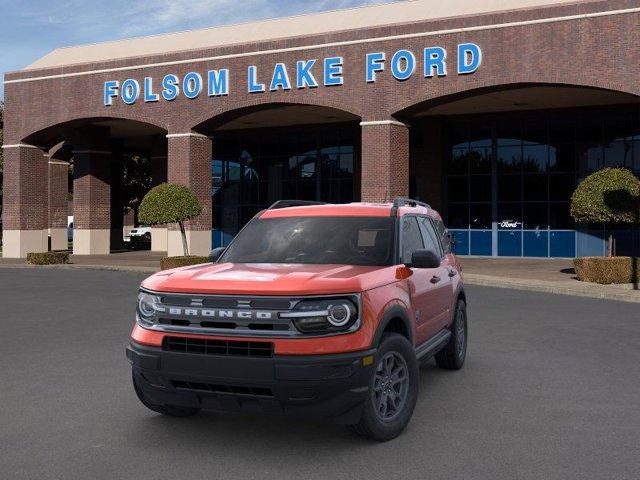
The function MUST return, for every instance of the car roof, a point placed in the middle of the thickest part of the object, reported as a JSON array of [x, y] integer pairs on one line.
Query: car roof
[[359, 209]]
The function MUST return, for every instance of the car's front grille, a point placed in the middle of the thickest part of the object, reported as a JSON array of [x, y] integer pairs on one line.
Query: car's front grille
[[218, 347], [229, 316], [276, 325], [228, 389]]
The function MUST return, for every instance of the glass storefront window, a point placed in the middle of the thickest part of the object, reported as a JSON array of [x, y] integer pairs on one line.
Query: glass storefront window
[[510, 158], [535, 160], [535, 188], [254, 168], [619, 154], [480, 159], [480, 188], [509, 188], [480, 216]]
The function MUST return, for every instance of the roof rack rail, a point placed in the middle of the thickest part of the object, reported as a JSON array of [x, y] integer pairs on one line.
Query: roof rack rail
[[406, 202], [293, 203]]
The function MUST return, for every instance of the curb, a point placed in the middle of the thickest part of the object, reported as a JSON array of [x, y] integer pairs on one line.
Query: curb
[[605, 292], [73, 266]]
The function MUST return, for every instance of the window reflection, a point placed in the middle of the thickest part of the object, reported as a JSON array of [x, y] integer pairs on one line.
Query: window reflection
[[252, 169], [538, 163]]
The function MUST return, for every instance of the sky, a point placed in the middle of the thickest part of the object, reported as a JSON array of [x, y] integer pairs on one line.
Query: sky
[[30, 29]]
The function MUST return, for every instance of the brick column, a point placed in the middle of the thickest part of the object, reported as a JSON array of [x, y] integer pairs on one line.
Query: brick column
[[427, 157], [189, 164], [159, 175], [24, 201], [92, 193], [385, 160], [58, 190]]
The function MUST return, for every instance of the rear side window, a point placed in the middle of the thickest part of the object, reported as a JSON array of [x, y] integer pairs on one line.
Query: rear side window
[[443, 234], [430, 237], [411, 238]]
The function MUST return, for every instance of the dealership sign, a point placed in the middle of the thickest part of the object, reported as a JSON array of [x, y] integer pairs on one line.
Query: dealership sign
[[308, 73]]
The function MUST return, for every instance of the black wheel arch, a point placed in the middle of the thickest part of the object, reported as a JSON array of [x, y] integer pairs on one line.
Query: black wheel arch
[[398, 316], [461, 295]]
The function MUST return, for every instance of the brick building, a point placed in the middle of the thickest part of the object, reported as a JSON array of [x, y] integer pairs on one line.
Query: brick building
[[491, 111]]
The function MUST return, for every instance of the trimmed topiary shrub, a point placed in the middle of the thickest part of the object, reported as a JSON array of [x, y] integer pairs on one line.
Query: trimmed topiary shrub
[[170, 203], [609, 196], [48, 258], [175, 262], [607, 270]]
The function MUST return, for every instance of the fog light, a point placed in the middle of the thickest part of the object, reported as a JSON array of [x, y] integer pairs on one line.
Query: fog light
[[312, 324]]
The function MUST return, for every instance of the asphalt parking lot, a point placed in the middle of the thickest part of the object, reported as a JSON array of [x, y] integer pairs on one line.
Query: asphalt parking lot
[[551, 390]]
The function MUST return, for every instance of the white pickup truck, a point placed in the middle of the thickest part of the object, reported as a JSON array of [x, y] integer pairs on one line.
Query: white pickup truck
[[139, 236]]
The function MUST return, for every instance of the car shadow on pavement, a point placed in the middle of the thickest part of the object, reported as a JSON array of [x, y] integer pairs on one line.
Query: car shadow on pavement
[[210, 430]]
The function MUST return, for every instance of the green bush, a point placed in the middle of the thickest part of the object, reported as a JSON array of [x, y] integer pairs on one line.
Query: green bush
[[610, 195], [175, 262], [48, 258], [607, 270], [169, 203]]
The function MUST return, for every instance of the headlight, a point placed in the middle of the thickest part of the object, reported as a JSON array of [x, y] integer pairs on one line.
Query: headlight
[[324, 315], [148, 305]]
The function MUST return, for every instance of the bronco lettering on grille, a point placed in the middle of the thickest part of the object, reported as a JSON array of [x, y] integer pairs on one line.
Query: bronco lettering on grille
[[215, 313]]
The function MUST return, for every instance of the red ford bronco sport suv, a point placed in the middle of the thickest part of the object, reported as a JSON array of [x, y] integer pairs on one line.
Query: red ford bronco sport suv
[[314, 310]]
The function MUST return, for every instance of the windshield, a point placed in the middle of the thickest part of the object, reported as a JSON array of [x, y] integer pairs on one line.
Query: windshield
[[315, 240]]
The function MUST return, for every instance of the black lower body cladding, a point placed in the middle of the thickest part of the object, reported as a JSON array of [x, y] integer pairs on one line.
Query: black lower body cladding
[[306, 386]]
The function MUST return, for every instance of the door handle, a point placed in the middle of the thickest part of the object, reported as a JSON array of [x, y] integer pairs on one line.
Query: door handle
[[435, 279]]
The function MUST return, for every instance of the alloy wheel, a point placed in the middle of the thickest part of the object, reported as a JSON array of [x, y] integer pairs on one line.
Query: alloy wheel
[[391, 386]]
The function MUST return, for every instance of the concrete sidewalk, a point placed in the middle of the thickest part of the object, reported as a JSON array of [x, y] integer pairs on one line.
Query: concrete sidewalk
[[538, 275], [135, 261]]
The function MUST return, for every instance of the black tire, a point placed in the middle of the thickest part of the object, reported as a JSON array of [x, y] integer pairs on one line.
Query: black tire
[[372, 424], [147, 236], [169, 410], [452, 356]]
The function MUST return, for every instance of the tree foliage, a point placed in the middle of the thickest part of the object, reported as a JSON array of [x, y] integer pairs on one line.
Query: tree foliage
[[169, 203], [611, 195], [136, 180]]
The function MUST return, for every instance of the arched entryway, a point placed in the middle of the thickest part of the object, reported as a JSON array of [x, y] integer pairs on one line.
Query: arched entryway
[[279, 151], [501, 164], [110, 162]]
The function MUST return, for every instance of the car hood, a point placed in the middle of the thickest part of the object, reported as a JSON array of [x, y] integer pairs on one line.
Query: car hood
[[270, 279]]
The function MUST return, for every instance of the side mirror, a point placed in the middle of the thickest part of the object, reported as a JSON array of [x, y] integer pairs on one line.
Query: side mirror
[[216, 253], [424, 259]]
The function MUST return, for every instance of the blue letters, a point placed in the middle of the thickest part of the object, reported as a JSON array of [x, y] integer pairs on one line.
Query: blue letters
[[130, 91], [254, 86], [218, 82], [192, 85], [434, 57], [400, 71], [170, 87], [402, 65], [110, 92], [304, 77], [149, 96], [469, 58], [333, 71], [280, 78], [375, 63]]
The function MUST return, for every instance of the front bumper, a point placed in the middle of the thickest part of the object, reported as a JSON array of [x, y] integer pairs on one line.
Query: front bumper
[[306, 386]]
